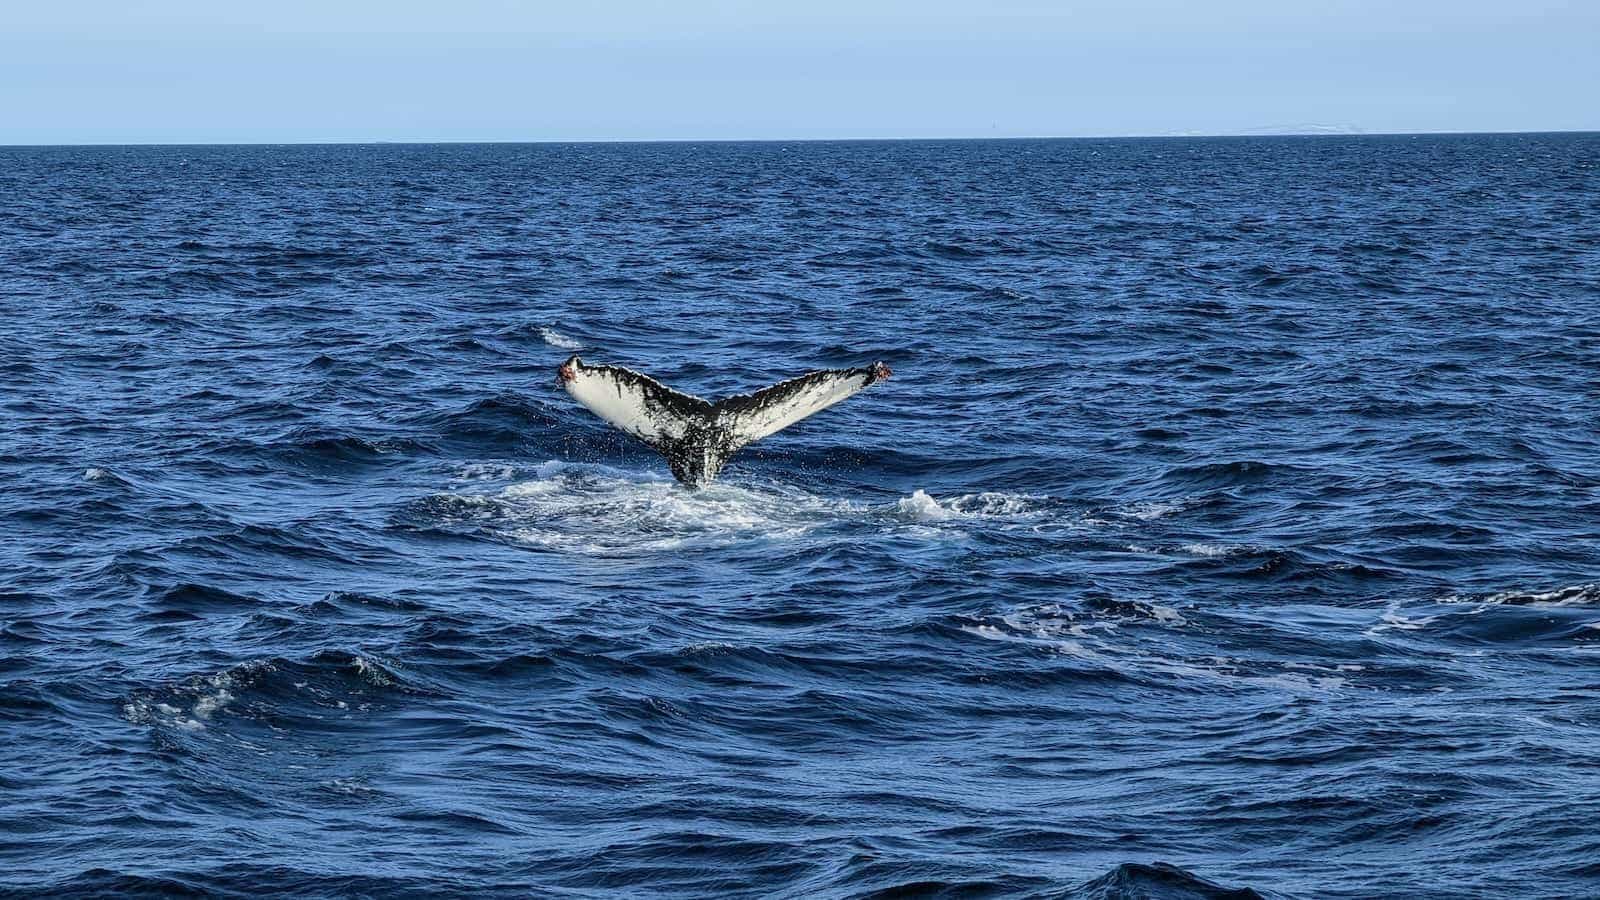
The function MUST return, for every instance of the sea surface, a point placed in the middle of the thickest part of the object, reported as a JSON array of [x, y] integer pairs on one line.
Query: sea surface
[[1231, 521]]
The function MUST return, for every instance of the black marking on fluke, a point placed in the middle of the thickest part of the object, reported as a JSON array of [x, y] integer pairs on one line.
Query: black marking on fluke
[[697, 436]]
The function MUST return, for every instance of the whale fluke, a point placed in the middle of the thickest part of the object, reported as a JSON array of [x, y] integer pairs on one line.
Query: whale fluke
[[698, 436]]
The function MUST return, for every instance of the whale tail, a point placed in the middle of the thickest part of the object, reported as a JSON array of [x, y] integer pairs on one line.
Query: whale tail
[[697, 436]]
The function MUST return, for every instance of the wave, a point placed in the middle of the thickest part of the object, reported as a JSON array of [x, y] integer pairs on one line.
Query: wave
[[95, 473], [951, 251], [1158, 881], [351, 602], [1216, 550], [1138, 641], [920, 507], [244, 543], [1049, 621], [316, 449], [243, 880], [271, 689], [1574, 595], [1257, 563], [195, 599], [503, 421], [556, 339], [1149, 510], [1229, 474], [1562, 616]]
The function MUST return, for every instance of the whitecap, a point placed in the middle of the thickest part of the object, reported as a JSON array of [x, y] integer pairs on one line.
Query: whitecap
[[919, 507], [372, 672], [206, 705], [196, 701], [1587, 594], [994, 506], [486, 472], [1212, 550], [556, 339], [1166, 615]]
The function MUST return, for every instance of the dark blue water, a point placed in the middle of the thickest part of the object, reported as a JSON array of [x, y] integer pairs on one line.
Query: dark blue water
[[1235, 506]]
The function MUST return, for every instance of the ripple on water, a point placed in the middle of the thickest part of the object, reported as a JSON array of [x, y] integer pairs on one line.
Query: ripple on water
[[1233, 505]]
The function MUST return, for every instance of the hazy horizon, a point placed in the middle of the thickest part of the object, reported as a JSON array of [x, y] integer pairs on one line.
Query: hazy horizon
[[804, 140], [183, 72]]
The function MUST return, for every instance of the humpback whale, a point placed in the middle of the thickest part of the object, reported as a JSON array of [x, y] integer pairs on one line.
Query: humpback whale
[[698, 436]]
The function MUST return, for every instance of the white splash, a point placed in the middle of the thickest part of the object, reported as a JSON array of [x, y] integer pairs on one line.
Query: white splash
[[556, 339], [598, 510], [486, 472], [1166, 615], [207, 704], [205, 697], [919, 507], [994, 506], [1587, 594], [1212, 551], [372, 673]]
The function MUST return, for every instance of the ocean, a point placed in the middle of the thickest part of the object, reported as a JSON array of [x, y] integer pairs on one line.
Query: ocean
[[1230, 526]]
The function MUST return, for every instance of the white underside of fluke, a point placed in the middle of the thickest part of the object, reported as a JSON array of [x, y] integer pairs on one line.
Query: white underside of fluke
[[823, 390], [697, 436], [623, 403]]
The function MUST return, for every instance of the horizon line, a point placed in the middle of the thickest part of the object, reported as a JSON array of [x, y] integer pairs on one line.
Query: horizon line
[[806, 140]]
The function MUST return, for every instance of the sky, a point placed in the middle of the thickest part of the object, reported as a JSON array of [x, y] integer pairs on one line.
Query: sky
[[211, 71]]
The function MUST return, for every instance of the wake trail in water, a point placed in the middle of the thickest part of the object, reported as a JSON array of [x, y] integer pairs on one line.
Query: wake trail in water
[[595, 509]]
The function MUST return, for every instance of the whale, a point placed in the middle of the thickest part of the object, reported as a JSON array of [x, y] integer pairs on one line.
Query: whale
[[698, 437]]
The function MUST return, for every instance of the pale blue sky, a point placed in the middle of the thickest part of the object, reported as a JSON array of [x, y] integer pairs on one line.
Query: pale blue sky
[[97, 71]]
